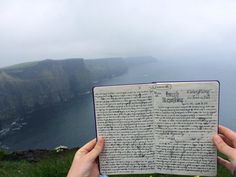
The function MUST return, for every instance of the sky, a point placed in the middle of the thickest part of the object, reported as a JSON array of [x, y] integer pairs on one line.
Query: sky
[[166, 29]]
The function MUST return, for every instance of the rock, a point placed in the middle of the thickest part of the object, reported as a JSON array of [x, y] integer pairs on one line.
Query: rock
[[60, 148]]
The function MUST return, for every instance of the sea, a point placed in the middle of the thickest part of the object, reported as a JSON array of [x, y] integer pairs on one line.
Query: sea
[[72, 124]]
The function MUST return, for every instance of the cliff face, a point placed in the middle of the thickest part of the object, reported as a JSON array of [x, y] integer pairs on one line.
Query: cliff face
[[23, 90], [28, 87], [31, 86]]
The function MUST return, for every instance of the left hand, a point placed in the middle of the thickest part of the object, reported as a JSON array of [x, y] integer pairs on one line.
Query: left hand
[[84, 163]]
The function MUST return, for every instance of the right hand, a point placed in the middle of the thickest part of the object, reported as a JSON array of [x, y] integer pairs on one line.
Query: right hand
[[225, 143]]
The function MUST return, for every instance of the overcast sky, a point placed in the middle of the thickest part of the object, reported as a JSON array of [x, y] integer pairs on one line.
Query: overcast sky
[[178, 29]]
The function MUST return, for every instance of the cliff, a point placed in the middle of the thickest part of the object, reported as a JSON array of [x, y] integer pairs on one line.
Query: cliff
[[28, 87], [42, 84]]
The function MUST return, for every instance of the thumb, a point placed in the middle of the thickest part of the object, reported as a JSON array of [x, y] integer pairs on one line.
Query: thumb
[[223, 147], [226, 164], [97, 149]]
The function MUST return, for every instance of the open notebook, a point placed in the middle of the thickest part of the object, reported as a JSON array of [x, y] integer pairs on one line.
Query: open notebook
[[162, 127]]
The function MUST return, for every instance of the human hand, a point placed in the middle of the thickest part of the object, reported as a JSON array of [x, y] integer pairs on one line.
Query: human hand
[[225, 142], [84, 163]]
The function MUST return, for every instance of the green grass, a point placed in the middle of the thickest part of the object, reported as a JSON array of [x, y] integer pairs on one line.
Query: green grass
[[52, 166], [2, 154], [57, 165]]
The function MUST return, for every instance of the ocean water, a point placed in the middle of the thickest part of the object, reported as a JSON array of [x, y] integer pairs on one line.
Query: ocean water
[[72, 124]]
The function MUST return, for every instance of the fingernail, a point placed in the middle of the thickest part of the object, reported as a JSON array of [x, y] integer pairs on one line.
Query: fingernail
[[100, 138], [217, 139], [221, 126]]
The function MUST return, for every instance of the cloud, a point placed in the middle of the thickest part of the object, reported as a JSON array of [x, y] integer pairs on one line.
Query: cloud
[[34, 30]]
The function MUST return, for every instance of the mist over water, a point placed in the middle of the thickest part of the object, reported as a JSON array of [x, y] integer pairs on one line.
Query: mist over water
[[72, 124]]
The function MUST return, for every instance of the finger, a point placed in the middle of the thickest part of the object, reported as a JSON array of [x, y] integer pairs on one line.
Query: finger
[[97, 149], [87, 147], [225, 163], [223, 147], [226, 140], [231, 135]]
